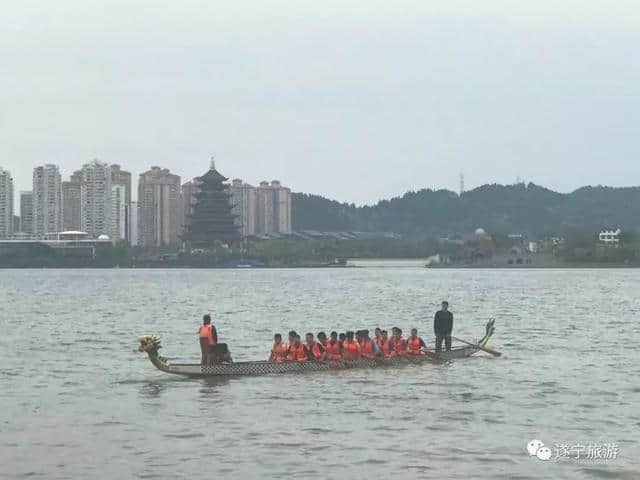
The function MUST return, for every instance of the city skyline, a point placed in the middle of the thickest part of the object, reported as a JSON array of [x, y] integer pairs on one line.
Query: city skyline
[[354, 102], [98, 199]]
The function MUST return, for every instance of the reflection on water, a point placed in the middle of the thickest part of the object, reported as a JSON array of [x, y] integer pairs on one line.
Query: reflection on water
[[83, 403]]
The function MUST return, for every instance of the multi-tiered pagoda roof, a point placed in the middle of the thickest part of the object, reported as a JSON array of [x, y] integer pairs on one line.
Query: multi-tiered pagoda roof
[[211, 218]]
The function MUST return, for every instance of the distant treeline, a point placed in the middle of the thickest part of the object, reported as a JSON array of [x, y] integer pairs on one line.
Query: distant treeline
[[520, 208]]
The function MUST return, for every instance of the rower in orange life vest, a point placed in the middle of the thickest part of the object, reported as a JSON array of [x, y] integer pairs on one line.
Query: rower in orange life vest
[[415, 344], [397, 341], [313, 349], [332, 348], [296, 352], [378, 335], [350, 348], [341, 338], [279, 350], [322, 339], [367, 346], [385, 345]]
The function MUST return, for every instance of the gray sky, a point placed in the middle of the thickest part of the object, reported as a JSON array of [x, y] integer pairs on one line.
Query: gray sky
[[352, 100]]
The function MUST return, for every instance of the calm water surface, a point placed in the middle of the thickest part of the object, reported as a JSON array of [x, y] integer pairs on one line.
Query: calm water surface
[[78, 401]]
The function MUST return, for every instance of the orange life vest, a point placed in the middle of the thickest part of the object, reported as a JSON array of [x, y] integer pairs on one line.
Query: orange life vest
[[413, 346], [297, 353], [315, 350], [351, 350], [333, 351], [367, 348], [398, 345], [385, 347], [278, 352], [207, 332]]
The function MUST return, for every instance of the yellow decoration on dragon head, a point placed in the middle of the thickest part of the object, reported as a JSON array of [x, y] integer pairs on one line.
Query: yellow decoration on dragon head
[[149, 343]]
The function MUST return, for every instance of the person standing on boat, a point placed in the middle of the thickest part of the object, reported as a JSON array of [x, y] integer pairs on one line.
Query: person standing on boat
[[207, 341], [442, 327]]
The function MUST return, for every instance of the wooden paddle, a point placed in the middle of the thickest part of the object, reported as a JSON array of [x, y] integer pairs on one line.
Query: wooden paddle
[[432, 355], [485, 349]]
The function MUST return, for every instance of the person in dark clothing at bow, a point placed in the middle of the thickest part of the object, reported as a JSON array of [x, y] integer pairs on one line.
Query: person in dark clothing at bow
[[442, 327]]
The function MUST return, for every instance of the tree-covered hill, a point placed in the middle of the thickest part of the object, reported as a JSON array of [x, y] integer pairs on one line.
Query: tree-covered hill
[[529, 209]]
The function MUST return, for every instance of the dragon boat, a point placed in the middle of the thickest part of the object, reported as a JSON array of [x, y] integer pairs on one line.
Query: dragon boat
[[151, 344]]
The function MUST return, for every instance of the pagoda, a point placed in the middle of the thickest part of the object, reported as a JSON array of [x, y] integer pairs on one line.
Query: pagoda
[[211, 218]]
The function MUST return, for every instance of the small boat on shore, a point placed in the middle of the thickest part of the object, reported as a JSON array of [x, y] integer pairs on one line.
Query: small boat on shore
[[151, 344]]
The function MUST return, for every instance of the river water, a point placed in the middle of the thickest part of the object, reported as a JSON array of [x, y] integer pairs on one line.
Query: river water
[[77, 400]]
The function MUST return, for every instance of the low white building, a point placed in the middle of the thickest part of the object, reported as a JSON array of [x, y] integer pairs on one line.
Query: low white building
[[610, 237]]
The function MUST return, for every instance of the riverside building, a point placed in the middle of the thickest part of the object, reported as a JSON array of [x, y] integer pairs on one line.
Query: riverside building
[[6, 203], [47, 200], [159, 207]]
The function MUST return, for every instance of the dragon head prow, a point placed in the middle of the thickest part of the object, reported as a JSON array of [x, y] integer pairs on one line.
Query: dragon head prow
[[149, 343]]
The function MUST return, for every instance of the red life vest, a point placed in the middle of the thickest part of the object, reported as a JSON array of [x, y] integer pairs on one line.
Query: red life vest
[[413, 346], [333, 351], [314, 349], [206, 332], [398, 345], [278, 352], [367, 348], [297, 353], [385, 347], [351, 350]]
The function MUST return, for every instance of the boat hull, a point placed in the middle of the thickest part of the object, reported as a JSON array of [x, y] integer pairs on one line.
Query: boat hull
[[268, 368], [151, 344]]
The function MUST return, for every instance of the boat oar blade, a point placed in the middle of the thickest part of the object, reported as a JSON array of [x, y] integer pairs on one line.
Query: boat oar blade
[[433, 355], [495, 353]]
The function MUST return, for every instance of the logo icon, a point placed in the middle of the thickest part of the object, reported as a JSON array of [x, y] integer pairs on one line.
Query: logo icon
[[536, 448]]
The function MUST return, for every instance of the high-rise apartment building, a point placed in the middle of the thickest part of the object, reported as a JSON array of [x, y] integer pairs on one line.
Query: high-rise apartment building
[[26, 212], [6, 203], [188, 199], [159, 200], [265, 218], [95, 199], [47, 200], [118, 212], [273, 208], [72, 203], [281, 207], [243, 199], [122, 177], [133, 224]]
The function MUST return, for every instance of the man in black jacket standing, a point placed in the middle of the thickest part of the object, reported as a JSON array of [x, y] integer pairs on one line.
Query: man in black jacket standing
[[442, 326]]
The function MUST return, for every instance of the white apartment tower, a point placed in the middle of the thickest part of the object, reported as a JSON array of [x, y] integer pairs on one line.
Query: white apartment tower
[[72, 202], [159, 201], [243, 200], [273, 208], [118, 212], [265, 218], [95, 199], [281, 207], [6, 203], [47, 200], [133, 232], [26, 212]]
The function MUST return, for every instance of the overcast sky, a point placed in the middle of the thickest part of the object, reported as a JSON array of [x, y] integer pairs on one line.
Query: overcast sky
[[356, 101]]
